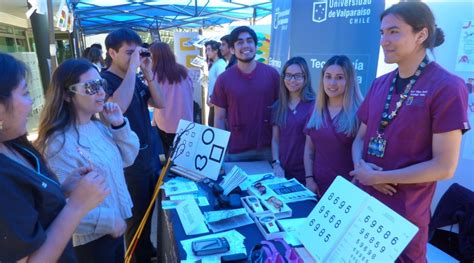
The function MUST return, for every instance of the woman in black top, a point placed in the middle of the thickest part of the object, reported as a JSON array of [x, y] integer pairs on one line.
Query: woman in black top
[[36, 223]]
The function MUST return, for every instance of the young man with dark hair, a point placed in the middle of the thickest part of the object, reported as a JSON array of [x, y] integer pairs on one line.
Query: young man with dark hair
[[226, 51], [243, 95], [133, 96], [213, 52], [97, 45]]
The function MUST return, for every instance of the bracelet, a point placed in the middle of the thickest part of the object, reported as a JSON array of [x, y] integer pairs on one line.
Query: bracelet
[[308, 176], [119, 126], [275, 162]]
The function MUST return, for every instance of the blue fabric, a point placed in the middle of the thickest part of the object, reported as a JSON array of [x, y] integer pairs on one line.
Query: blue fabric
[[251, 232], [98, 16]]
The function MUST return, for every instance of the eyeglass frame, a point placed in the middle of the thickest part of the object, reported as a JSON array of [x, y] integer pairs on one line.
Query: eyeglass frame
[[102, 83], [297, 76], [277, 203], [260, 188]]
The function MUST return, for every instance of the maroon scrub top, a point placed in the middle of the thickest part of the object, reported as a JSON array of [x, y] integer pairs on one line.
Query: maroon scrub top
[[248, 100], [292, 140], [332, 153], [436, 104]]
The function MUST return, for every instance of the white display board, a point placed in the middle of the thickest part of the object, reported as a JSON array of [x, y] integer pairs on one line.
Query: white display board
[[201, 148], [465, 56], [349, 225]]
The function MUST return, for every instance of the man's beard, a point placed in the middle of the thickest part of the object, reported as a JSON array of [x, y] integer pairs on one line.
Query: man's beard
[[248, 60]]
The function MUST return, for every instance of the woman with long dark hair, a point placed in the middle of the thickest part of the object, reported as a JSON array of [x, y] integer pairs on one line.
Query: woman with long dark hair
[[36, 222], [177, 89], [290, 112], [412, 122], [70, 136]]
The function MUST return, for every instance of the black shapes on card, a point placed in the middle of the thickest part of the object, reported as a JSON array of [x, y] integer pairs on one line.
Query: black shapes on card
[[216, 153], [200, 162], [208, 136]]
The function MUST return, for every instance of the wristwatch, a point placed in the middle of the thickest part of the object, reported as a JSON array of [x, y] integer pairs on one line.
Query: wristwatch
[[254, 204], [270, 224]]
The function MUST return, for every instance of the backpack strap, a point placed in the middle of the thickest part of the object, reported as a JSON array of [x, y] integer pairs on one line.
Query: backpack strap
[[290, 252], [274, 255]]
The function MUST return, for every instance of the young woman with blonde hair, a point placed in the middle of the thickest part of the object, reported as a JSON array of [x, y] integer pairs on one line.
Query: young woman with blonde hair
[[332, 126]]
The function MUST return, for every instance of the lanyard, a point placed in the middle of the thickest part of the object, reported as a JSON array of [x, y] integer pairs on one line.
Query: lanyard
[[387, 117], [38, 165], [377, 144]]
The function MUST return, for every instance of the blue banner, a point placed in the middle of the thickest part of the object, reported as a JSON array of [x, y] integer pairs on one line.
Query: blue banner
[[279, 41], [319, 29]]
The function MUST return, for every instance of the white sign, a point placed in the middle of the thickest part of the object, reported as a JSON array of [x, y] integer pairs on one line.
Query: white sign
[[465, 57], [191, 217], [184, 49], [349, 225], [200, 148]]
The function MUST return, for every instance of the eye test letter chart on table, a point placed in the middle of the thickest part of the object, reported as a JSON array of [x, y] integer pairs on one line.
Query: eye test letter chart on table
[[349, 225], [201, 148]]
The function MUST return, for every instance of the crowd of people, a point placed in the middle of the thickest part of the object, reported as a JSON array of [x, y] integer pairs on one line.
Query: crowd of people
[[98, 148]]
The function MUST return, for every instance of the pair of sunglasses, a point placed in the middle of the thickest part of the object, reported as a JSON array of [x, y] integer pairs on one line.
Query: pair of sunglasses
[[261, 188], [90, 88], [277, 203]]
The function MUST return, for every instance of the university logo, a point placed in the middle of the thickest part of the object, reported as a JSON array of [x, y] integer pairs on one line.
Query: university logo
[[280, 18], [320, 11]]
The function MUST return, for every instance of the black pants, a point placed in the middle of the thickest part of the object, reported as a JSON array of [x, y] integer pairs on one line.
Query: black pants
[[104, 249], [210, 120], [167, 140], [141, 187]]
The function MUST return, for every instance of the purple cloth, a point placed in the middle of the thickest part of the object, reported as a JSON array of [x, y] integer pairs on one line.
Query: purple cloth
[[248, 100], [332, 153], [292, 141], [436, 104]]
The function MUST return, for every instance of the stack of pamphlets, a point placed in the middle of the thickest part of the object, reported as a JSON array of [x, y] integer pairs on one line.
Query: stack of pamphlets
[[179, 186], [233, 179]]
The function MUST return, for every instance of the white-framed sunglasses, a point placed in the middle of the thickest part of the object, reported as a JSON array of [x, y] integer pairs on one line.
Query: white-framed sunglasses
[[91, 87]]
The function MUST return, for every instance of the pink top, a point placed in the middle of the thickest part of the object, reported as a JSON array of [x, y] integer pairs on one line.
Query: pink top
[[178, 105]]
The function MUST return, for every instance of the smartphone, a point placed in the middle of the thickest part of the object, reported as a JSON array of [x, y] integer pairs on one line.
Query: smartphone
[[145, 54], [210, 246]]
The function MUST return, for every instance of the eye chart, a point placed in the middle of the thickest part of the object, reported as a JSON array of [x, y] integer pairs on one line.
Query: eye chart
[[201, 148], [349, 225]]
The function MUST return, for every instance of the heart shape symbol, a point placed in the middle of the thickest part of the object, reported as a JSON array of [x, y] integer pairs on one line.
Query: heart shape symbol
[[200, 162]]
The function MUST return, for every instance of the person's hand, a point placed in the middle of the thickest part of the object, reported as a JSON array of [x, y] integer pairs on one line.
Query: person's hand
[[135, 59], [71, 181], [145, 66], [278, 171], [113, 114], [388, 189], [364, 172], [90, 191], [312, 186], [120, 227]]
